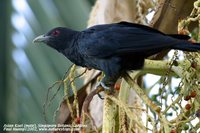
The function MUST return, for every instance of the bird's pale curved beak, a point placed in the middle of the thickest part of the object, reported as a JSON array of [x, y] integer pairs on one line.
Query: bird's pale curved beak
[[41, 38]]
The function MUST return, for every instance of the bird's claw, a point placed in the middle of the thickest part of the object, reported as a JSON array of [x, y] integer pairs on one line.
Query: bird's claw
[[99, 95], [107, 90], [102, 85]]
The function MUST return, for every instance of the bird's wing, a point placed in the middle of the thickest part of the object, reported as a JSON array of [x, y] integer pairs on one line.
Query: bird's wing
[[123, 38]]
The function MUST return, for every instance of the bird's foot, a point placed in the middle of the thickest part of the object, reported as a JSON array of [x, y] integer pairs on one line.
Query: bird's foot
[[107, 89], [101, 84], [100, 96]]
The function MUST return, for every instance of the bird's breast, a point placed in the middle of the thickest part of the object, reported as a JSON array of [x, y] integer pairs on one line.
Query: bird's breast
[[74, 57]]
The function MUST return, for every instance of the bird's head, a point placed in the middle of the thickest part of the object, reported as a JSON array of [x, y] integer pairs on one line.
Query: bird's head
[[58, 38]]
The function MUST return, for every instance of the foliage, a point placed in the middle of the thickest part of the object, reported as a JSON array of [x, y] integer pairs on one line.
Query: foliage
[[30, 69]]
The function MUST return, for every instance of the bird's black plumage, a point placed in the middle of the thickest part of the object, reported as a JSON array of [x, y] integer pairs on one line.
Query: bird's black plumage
[[113, 48]]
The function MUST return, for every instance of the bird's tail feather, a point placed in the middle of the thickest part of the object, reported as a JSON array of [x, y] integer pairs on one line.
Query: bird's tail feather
[[184, 44], [181, 37], [187, 46]]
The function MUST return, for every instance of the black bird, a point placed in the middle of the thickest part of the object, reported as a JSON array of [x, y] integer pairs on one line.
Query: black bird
[[113, 48]]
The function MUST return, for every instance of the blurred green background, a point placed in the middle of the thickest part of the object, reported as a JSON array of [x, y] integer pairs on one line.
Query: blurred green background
[[27, 70]]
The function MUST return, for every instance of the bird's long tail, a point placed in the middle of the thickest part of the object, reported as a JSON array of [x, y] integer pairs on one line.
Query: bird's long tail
[[187, 46], [181, 37], [184, 44]]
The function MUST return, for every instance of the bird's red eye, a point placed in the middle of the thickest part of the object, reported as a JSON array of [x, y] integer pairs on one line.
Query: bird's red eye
[[55, 33]]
